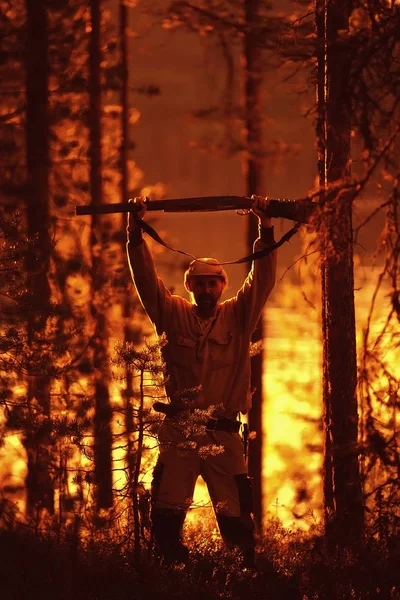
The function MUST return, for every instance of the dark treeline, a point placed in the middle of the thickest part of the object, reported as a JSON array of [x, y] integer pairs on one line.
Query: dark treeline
[[77, 380], [65, 283]]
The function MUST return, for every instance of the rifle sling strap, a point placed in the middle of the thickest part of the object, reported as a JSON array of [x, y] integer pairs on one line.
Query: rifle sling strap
[[250, 257]]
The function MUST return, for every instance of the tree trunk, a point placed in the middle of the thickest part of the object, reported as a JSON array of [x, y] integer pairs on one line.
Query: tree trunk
[[253, 172], [39, 484], [123, 37], [103, 413], [328, 503], [136, 475], [339, 334], [128, 304]]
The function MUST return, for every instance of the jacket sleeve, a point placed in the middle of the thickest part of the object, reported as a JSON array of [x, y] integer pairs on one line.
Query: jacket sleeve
[[253, 294], [156, 299]]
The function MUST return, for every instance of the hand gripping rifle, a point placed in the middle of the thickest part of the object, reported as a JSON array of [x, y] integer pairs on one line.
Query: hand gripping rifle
[[294, 210]]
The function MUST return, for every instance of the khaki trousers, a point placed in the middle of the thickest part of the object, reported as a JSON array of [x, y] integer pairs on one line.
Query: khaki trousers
[[181, 461]]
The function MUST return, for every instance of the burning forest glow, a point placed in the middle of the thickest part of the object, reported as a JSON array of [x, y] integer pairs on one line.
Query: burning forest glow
[[80, 363], [292, 411], [291, 414]]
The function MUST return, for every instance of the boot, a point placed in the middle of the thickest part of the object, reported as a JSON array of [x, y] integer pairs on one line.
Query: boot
[[167, 531], [239, 531]]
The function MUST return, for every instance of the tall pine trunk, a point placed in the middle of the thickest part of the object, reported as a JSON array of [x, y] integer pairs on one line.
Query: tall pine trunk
[[346, 523], [103, 412], [123, 40], [127, 305], [39, 484], [252, 165], [328, 502]]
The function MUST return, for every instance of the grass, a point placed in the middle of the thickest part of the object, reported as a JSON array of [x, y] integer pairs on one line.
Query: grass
[[291, 565]]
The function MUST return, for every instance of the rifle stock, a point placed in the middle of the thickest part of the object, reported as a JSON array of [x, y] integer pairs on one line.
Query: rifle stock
[[294, 210]]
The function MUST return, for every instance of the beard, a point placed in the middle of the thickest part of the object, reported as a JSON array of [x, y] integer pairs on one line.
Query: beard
[[206, 302]]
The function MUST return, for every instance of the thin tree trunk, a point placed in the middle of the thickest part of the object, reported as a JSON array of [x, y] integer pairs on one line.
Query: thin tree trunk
[[253, 173], [136, 476], [103, 413], [328, 503], [127, 306], [340, 367], [39, 484], [123, 37], [96, 187]]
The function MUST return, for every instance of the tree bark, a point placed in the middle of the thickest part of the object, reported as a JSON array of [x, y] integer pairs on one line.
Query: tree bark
[[39, 484], [252, 165], [339, 333], [136, 475], [128, 303], [103, 413], [328, 501], [123, 37]]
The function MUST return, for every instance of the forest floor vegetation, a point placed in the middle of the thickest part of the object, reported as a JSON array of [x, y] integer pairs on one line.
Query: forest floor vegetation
[[290, 565]]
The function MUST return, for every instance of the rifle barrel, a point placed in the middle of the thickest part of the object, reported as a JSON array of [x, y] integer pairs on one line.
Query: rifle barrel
[[295, 210]]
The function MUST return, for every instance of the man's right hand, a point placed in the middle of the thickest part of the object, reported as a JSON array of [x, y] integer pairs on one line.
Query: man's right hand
[[133, 230], [139, 203]]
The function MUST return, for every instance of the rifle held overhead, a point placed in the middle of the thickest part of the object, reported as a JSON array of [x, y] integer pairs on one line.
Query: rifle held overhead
[[295, 210]]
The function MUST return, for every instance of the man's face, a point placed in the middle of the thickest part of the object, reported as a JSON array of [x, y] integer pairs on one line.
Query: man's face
[[206, 290]]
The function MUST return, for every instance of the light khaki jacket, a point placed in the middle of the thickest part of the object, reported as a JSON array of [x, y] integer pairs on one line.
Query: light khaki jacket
[[217, 358]]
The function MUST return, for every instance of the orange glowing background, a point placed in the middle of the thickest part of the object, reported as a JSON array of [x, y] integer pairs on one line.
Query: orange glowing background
[[291, 412], [167, 161]]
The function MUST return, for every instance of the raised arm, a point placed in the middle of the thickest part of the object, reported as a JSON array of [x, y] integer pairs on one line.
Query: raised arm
[[260, 281], [154, 296]]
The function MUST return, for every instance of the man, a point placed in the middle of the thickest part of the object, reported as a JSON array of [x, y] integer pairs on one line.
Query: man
[[208, 347]]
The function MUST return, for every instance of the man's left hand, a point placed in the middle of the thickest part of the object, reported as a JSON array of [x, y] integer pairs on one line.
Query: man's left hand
[[260, 204]]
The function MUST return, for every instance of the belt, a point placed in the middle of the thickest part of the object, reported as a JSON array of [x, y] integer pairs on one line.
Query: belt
[[221, 424]]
